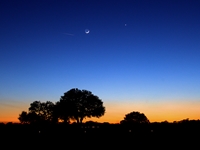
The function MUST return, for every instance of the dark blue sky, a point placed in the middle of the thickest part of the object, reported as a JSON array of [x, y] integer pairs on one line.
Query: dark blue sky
[[137, 50]]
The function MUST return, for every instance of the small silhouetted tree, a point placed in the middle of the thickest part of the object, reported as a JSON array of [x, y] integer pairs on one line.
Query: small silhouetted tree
[[134, 118], [38, 112], [79, 104], [23, 117], [91, 122]]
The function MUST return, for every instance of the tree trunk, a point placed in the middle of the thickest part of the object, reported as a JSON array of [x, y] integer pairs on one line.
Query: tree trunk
[[79, 120]]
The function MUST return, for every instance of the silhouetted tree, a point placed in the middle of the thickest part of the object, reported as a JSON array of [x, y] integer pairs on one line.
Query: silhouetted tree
[[79, 104], [91, 122], [184, 120], [43, 109], [9, 123], [165, 122], [134, 118], [106, 123], [38, 112], [23, 117]]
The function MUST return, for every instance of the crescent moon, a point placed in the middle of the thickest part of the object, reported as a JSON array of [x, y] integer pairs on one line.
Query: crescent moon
[[87, 31]]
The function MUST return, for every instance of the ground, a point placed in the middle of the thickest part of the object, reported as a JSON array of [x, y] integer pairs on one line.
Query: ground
[[101, 138]]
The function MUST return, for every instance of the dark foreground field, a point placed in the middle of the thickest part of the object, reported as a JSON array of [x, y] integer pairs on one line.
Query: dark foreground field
[[95, 137]]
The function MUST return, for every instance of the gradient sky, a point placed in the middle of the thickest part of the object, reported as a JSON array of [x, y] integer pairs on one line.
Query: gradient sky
[[140, 55]]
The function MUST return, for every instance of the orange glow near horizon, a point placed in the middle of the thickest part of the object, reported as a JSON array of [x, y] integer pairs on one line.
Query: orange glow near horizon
[[155, 112], [115, 112]]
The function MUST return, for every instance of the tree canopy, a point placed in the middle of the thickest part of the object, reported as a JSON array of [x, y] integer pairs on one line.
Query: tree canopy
[[79, 104], [134, 117], [38, 112], [73, 105]]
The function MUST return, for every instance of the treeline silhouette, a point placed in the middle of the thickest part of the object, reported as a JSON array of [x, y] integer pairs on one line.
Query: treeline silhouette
[[75, 105], [177, 134], [47, 124], [89, 127]]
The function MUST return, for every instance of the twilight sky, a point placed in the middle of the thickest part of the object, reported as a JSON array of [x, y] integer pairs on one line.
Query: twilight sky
[[140, 55]]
